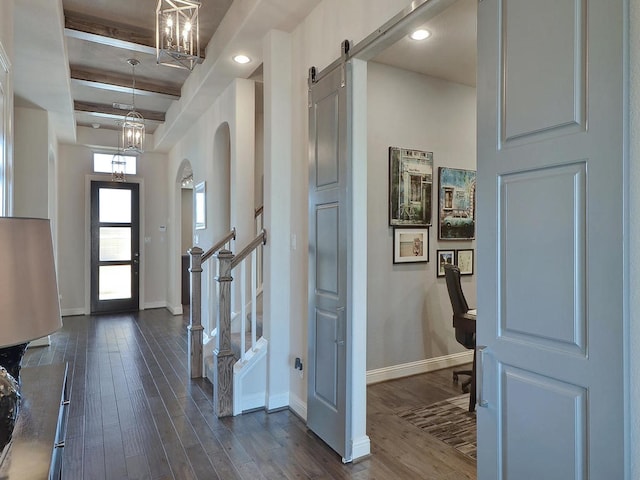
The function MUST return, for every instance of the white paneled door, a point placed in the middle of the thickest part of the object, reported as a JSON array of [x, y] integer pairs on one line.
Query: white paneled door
[[551, 216]]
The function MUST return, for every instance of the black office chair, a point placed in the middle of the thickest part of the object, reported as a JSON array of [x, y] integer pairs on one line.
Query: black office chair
[[460, 307]]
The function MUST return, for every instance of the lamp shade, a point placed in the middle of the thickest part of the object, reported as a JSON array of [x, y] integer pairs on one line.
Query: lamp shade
[[29, 302]]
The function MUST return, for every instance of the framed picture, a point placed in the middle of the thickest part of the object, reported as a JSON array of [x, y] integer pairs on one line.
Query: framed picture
[[456, 204], [464, 260], [410, 245], [410, 186], [200, 205], [444, 257]]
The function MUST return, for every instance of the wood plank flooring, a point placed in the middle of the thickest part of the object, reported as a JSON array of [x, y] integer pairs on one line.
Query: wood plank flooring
[[135, 415]]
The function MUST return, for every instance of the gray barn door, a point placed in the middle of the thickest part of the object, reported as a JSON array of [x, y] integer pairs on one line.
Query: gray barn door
[[328, 222], [551, 212]]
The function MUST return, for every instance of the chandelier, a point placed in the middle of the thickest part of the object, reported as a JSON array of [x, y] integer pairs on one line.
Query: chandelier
[[178, 33], [133, 125]]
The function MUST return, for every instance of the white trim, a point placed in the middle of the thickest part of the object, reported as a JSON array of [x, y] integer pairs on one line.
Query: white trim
[[71, 312], [275, 402], [298, 406], [158, 304], [256, 358], [6, 156], [175, 309], [360, 447], [421, 366], [88, 178]]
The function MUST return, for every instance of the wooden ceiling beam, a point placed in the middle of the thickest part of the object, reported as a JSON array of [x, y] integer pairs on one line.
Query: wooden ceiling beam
[[92, 29], [96, 30], [121, 83], [100, 109]]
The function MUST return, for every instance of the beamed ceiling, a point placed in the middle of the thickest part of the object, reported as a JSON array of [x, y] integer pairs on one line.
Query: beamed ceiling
[[70, 58], [100, 36]]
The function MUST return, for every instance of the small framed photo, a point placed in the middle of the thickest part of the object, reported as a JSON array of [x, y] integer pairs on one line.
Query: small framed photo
[[464, 260], [410, 245], [444, 257], [200, 205]]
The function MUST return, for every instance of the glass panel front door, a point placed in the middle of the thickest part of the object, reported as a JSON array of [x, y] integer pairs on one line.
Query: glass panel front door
[[114, 247]]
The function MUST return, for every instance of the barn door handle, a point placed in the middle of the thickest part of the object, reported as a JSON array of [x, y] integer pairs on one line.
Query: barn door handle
[[339, 339], [480, 349]]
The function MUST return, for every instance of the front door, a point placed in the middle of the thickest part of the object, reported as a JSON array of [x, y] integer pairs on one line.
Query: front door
[[551, 217], [115, 245], [327, 412]]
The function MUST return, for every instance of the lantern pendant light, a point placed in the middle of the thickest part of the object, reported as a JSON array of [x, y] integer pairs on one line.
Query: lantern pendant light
[[133, 125], [178, 33]]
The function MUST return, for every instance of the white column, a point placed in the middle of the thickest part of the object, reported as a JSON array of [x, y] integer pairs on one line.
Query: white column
[[357, 337], [277, 214]]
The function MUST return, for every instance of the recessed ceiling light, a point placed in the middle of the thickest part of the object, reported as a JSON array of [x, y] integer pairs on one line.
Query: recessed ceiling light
[[420, 34], [241, 59]]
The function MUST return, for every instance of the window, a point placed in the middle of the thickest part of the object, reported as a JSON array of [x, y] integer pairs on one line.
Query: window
[[102, 163]]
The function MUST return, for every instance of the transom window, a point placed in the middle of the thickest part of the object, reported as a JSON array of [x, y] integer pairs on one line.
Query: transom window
[[102, 163]]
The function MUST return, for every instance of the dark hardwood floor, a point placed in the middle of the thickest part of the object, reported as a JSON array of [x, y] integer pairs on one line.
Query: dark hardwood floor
[[134, 415]]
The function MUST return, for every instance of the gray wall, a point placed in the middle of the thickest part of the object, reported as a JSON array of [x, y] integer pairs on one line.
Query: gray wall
[[409, 313]]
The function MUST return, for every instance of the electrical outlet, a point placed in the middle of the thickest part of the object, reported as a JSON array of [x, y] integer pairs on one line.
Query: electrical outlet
[[298, 364]]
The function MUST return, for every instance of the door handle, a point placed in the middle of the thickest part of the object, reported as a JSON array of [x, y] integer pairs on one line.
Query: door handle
[[339, 339], [480, 349]]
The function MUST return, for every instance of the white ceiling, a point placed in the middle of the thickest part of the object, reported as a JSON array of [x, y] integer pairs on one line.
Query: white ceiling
[[449, 53]]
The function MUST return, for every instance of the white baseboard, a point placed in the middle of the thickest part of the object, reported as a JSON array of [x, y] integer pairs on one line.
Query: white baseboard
[[298, 406], [361, 447], [421, 366], [175, 309], [70, 312], [277, 401], [158, 304], [251, 402]]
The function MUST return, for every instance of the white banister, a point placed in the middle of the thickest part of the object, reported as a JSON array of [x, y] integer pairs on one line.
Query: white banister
[[243, 310], [254, 296]]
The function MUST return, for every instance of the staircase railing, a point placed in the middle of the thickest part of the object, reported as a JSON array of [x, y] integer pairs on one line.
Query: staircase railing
[[223, 355], [195, 328]]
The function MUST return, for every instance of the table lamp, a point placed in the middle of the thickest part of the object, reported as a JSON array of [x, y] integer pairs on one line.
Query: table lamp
[[29, 304]]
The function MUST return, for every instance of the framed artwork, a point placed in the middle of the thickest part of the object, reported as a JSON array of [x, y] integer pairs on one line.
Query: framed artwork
[[410, 186], [464, 260], [444, 257], [200, 205], [456, 204], [410, 245]]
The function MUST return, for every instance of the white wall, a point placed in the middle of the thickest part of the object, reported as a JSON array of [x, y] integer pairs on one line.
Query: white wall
[[316, 42], [187, 220], [409, 312], [31, 163], [233, 109], [75, 164]]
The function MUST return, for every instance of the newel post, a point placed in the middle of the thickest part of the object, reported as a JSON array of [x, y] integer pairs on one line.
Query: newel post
[[195, 328], [222, 354]]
